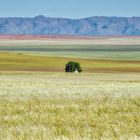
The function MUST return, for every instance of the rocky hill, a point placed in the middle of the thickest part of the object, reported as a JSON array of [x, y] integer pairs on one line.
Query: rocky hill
[[92, 26]]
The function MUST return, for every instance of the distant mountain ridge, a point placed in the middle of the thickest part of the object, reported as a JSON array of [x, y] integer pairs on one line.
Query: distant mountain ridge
[[92, 26]]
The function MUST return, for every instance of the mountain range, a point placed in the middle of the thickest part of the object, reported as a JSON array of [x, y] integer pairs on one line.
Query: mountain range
[[92, 26]]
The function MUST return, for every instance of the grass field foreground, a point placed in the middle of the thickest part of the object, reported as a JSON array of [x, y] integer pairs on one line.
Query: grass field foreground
[[69, 106]]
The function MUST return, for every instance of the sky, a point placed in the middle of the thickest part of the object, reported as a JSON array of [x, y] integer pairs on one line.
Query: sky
[[69, 8]]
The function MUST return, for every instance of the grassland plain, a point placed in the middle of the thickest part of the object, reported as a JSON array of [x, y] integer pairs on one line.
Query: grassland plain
[[103, 102], [51, 54], [119, 52], [23, 62], [69, 106], [94, 47]]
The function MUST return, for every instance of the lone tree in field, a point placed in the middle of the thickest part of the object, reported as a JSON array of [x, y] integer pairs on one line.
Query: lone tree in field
[[73, 67]]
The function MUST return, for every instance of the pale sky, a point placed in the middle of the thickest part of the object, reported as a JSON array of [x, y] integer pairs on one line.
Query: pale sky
[[69, 8]]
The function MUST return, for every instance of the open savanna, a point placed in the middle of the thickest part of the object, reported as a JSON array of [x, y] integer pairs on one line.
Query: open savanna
[[39, 101]]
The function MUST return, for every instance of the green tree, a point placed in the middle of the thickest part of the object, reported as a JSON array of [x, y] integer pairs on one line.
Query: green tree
[[73, 66]]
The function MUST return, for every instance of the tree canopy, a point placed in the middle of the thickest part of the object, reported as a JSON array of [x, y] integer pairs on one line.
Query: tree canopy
[[73, 66]]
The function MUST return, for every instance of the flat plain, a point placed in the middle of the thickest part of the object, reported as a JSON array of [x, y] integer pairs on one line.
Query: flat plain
[[125, 48], [38, 100], [51, 54]]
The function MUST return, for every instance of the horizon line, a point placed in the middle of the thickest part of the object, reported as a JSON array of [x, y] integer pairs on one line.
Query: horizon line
[[69, 17]]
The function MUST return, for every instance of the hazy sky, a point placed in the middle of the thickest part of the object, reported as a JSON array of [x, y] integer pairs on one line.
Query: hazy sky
[[69, 8]]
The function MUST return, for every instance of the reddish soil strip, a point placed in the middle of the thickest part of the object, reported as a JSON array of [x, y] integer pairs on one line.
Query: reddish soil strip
[[31, 37]]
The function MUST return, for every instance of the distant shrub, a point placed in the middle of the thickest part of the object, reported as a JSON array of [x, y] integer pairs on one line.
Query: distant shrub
[[73, 66]]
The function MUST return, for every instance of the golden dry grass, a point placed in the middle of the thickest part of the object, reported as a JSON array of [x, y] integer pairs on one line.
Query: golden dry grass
[[93, 118], [69, 107], [23, 62]]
